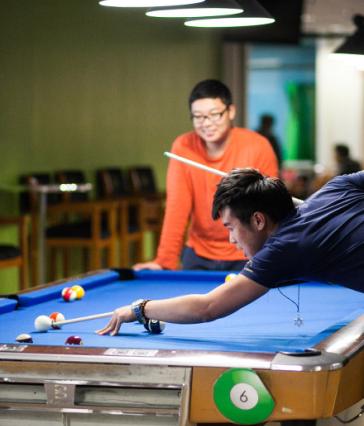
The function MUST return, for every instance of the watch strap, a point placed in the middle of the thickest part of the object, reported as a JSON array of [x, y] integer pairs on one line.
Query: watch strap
[[138, 308]]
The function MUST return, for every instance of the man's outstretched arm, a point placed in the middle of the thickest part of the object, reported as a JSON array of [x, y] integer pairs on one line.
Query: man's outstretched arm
[[194, 308]]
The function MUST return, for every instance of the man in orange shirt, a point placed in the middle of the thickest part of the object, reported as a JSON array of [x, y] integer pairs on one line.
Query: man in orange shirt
[[216, 143]]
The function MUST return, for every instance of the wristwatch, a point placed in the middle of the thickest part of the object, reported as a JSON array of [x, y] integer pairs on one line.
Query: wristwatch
[[138, 308]]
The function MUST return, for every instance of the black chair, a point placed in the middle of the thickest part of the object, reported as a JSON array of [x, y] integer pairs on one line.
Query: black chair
[[16, 256], [113, 184], [144, 185]]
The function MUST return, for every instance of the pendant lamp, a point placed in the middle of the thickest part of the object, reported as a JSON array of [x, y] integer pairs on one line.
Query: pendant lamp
[[204, 9], [253, 14], [146, 3], [352, 49]]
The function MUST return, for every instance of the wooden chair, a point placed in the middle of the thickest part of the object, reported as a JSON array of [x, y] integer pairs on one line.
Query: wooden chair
[[143, 184], [78, 222], [84, 224], [112, 184], [16, 256]]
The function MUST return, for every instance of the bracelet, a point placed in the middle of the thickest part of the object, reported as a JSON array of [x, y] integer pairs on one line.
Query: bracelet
[[138, 308]]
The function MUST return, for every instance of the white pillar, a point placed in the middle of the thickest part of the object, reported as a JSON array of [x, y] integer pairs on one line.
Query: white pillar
[[339, 105]]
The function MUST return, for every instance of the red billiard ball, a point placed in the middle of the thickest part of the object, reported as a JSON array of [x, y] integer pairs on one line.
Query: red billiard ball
[[68, 294], [74, 340], [55, 317]]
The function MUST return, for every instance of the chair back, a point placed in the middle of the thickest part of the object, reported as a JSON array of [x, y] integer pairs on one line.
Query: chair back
[[29, 199], [112, 182], [143, 180]]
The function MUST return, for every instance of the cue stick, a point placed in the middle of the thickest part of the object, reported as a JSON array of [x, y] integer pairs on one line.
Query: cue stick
[[195, 164], [296, 201], [86, 318]]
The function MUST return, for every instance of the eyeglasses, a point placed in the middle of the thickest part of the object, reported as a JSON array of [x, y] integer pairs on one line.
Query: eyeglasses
[[213, 117]]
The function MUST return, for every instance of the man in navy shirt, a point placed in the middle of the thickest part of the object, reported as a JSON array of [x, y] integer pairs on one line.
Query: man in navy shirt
[[321, 239]]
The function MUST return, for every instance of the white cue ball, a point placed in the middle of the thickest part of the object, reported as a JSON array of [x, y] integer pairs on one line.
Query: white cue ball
[[43, 323]]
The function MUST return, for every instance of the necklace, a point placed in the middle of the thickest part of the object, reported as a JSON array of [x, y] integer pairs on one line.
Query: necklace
[[298, 321]]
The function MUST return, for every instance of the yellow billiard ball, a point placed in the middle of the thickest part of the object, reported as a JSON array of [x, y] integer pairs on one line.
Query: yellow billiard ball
[[229, 277], [80, 292]]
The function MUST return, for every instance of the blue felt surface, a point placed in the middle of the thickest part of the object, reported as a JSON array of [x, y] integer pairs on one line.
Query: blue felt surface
[[7, 305], [266, 325]]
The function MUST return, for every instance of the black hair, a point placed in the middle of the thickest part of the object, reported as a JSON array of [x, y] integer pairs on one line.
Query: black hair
[[342, 150], [211, 89], [246, 191]]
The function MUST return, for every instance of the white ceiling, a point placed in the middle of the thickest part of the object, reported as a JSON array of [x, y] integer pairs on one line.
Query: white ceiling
[[330, 17]]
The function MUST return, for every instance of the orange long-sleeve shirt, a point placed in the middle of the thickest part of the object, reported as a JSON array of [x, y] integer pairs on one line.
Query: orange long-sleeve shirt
[[190, 193]]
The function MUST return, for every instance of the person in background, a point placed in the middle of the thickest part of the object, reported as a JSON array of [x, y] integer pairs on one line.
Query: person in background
[[265, 128], [320, 239], [345, 164], [214, 142]]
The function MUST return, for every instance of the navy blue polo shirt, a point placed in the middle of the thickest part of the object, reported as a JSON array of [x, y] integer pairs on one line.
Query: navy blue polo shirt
[[323, 240]]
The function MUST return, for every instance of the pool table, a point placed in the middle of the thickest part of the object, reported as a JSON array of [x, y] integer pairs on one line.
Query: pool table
[[311, 371]]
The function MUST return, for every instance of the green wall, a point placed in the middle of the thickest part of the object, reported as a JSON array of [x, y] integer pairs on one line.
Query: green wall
[[84, 86]]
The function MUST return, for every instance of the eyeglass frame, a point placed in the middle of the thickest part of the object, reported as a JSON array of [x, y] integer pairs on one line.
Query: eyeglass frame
[[200, 119]]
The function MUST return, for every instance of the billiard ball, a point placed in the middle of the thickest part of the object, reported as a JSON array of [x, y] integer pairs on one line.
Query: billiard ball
[[24, 338], [55, 317], [80, 292], [68, 294], [229, 277], [74, 340], [42, 323], [155, 326]]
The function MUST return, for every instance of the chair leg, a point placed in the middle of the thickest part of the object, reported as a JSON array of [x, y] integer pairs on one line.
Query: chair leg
[[23, 275], [85, 259], [53, 263], [34, 251], [111, 252], [139, 250], [124, 253], [95, 258], [66, 263]]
